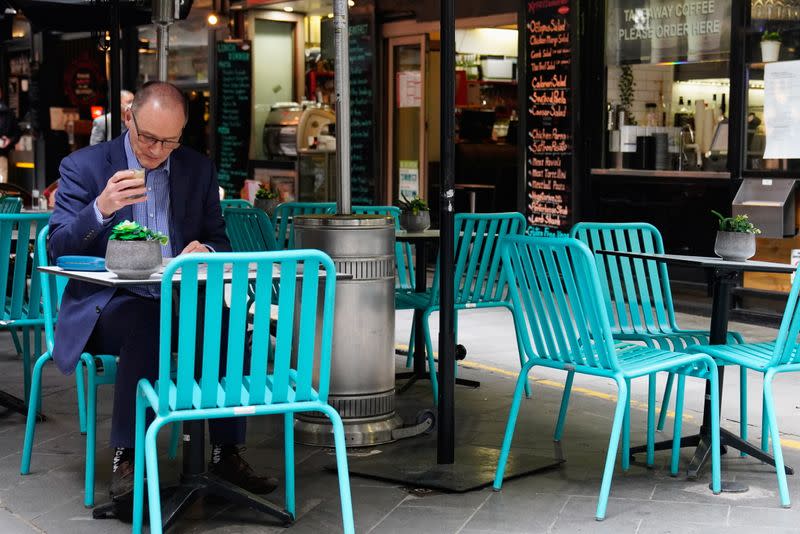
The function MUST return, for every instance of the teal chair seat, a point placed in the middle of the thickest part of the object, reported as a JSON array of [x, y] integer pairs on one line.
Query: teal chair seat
[[411, 300], [639, 302], [757, 356], [288, 377], [562, 323]]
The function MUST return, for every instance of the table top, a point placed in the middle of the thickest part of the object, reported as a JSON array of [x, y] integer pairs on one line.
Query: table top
[[708, 262], [109, 279], [474, 186], [405, 235]]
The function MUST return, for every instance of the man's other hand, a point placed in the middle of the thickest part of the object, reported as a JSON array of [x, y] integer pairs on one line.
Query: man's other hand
[[195, 246], [122, 189]]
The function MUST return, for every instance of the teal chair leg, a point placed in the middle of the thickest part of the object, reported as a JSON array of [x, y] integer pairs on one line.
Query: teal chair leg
[[743, 406], [15, 339], [288, 449], [512, 421], [138, 465], [342, 471], [613, 445], [562, 412], [662, 416], [26, 362], [626, 431], [153, 488], [651, 419], [410, 357], [716, 477], [80, 391], [429, 350], [522, 358], [777, 451], [676, 433], [764, 425], [91, 430], [33, 407]]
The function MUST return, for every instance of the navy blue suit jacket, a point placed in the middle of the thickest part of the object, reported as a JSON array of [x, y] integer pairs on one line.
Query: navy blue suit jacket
[[195, 214]]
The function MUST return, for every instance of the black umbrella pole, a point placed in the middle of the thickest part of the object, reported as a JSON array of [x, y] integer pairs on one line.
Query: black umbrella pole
[[115, 104], [447, 342]]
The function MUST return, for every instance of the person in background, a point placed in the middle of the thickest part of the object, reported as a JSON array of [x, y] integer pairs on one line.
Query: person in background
[[9, 136], [180, 198], [101, 126]]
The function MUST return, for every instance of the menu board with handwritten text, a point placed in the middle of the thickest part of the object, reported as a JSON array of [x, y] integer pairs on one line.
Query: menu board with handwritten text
[[232, 112], [362, 105], [549, 123]]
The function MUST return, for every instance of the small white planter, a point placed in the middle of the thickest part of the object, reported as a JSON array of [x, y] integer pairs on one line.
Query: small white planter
[[133, 260], [735, 246], [770, 50]]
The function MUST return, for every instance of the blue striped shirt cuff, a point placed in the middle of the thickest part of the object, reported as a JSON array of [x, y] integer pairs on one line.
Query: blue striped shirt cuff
[[99, 216]]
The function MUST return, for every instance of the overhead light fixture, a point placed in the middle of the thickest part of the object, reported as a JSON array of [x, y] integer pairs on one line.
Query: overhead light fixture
[[288, 9], [351, 3], [10, 11], [330, 15], [212, 19]]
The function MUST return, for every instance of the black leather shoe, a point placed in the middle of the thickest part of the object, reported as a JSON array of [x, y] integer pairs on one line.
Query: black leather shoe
[[121, 480], [235, 469]]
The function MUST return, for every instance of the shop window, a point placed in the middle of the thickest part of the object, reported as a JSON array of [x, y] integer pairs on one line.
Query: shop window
[[188, 51]]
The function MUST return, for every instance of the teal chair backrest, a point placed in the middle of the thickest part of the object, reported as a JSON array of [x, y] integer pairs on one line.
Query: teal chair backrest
[[478, 271], [299, 301], [52, 287], [636, 292], [21, 292], [10, 204], [249, 230], [284, 215], [556, 293], [234, 203], [403, 253], [787, 345]]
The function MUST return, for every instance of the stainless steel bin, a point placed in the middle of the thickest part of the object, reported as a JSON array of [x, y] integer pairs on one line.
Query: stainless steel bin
[[362, 360]]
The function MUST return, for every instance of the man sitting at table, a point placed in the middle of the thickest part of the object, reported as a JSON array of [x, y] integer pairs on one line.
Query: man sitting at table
[[179, 198]]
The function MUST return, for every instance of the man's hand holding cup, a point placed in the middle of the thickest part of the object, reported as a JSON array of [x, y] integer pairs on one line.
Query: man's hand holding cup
[[123, 189]]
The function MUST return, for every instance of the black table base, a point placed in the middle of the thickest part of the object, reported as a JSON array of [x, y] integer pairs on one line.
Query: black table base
[[414, 465], [17, 405], [195, 482]]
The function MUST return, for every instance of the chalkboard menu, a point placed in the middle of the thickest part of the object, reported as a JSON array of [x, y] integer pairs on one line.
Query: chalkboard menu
[[549, 120], [232, 114], [362, 105]]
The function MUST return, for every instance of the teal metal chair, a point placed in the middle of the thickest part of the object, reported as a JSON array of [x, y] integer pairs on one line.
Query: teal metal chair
[[21, 310], [283, 218], [52, 289], [284, 388], [639, 300], [249, 230], [479, 280], [404, 261], [101, 369], [562, 323], [10, 204], [770, 359], [234, 203]]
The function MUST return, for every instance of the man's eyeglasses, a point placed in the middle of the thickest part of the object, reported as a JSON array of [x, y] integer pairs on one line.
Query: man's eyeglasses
[[149, 140]]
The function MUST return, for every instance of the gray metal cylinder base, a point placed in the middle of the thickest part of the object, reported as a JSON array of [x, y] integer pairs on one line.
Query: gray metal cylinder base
[[357, 433]]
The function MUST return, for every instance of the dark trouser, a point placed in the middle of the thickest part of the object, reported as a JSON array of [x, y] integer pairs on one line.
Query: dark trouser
[[129, 327]]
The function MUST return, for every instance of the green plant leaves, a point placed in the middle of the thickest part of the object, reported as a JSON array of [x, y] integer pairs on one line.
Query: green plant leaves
[[738, 223], [415, 205], [133, 231], [265, 193]]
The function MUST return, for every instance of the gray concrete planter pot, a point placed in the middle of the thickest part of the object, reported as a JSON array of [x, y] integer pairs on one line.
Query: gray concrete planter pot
[[133, 260], [735, 246], [415, 223], [266, 204]]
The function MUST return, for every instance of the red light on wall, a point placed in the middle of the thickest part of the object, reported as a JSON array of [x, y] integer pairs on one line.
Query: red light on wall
[[97, 111]]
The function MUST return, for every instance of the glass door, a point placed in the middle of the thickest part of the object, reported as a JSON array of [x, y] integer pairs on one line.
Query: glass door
[[407, 155]]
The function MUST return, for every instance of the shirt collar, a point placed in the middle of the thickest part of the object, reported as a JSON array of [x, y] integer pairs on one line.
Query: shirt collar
[[133, 162]]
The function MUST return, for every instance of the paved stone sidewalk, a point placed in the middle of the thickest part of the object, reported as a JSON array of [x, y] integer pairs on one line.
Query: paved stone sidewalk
[[561, 500]]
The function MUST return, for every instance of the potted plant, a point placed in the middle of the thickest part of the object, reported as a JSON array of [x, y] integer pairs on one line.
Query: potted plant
[[414, 214], [736, 238], [770, 46], [266, 199], [134, 251]]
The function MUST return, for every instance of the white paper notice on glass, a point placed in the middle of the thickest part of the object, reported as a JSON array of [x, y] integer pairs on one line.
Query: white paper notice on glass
[[409, 178], [781, 112], [409, 89]]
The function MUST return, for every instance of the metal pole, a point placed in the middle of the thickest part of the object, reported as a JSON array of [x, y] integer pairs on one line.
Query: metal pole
[[162, 45], [447, 340], [341, 36], [115, 103]]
